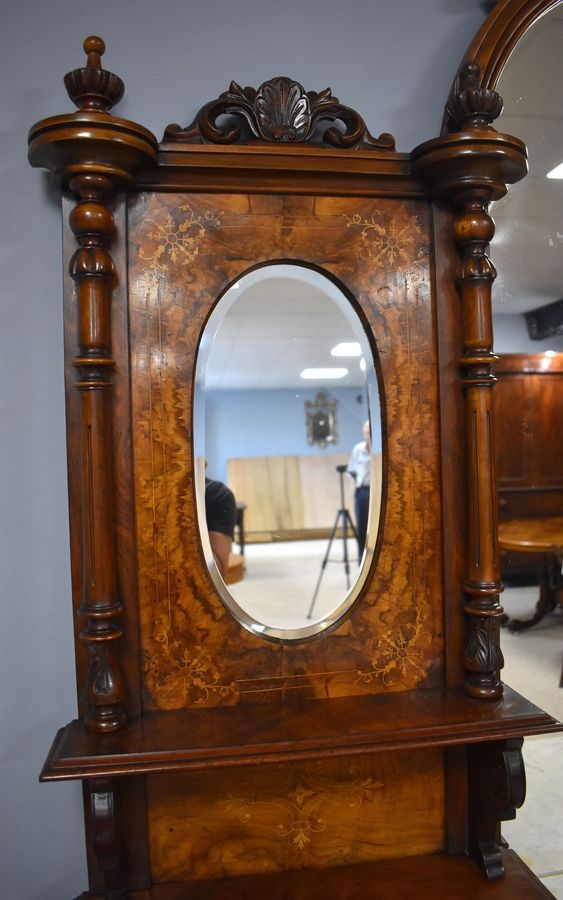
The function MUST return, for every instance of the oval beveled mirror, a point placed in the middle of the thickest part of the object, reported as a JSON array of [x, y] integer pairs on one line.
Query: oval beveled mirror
[[287, 444]]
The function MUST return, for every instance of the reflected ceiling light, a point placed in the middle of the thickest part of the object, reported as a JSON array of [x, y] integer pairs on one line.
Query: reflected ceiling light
[[363, 364], [347, 348], [557, 172], [549, 353], [323, 373]]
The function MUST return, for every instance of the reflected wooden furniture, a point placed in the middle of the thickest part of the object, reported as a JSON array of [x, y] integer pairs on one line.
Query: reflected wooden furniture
[[528, 409], [235, 570], [542, 538], [291, 497], [385, 752], [240, 533]]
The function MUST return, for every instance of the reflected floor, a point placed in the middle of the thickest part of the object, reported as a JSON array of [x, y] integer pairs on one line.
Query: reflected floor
[[280, 580]]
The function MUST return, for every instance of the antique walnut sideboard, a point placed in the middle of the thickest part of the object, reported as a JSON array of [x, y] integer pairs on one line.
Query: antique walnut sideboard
[[378, 757]]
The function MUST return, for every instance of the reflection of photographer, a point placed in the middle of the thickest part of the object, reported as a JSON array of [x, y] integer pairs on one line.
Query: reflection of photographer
[[359, 468], [221, 514]]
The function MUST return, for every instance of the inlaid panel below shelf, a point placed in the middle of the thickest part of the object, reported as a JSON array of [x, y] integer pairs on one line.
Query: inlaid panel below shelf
[[295, 815]]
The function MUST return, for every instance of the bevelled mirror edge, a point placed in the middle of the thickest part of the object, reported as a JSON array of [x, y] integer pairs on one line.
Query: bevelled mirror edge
[[297, 276]]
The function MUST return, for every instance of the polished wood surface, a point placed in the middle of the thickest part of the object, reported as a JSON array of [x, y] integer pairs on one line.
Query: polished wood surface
[[470, 112], [298, 815], [200, 739], [528, 403], [543, 535], [542, 538], [213, 708], [195, 653], [418, 878]]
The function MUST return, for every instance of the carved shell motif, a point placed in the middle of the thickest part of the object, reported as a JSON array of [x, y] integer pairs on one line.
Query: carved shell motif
[[280, 111]]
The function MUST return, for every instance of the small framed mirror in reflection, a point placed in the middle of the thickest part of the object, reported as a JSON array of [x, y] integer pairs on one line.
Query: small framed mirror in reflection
[[321, 420], [288, 524]]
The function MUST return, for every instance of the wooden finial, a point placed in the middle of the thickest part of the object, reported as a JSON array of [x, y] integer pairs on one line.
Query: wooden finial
[[92, 87], [472, 106], [94, 47]]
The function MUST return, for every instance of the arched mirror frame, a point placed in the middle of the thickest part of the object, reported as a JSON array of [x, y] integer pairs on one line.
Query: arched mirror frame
[[467, 742], [507, 23]]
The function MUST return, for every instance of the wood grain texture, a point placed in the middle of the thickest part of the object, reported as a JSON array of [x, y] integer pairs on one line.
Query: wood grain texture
[[414, 878], [292, 816], [528, 401], [185, 251]]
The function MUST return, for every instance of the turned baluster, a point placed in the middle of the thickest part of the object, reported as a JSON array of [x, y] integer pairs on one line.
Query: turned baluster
[[483, 659], [93, 153], [93, 273]]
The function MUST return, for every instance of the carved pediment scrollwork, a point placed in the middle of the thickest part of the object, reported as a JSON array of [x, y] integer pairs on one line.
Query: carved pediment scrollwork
[[279, 111]]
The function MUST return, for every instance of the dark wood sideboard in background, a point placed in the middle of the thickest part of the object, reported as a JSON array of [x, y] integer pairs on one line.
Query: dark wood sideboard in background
[[528, 409]]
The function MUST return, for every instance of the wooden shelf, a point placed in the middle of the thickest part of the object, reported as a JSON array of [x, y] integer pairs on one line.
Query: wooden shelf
[[431, 877], [266, 733]]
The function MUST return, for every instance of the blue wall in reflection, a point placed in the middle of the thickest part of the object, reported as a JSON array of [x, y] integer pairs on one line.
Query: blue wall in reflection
[[242, 423]]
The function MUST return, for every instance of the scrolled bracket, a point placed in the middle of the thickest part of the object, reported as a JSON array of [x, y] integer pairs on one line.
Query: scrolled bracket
[[279, 111], [101, 802], [497, 788]]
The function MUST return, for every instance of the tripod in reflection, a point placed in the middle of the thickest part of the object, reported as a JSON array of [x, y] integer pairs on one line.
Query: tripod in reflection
[[344, 521]]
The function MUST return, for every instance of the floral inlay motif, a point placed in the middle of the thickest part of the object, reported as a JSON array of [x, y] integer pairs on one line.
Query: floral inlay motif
[[396, 653], [190, 675], [395, 244], [300, 811], [179, 241]]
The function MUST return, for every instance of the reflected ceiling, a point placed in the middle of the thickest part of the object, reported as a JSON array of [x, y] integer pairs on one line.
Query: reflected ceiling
[[278, 327], [528, 244]]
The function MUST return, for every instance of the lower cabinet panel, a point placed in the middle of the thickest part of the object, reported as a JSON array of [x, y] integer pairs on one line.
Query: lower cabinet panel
[[295, 815]]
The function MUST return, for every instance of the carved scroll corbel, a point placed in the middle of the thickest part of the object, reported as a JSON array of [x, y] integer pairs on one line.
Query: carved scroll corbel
[[497, 788], [101, 803], [93, 153]]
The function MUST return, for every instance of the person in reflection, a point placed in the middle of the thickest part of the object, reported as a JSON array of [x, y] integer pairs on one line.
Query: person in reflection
[[220, 514], [359, 468]]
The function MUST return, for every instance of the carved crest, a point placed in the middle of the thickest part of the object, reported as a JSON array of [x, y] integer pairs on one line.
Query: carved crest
[[280, 111]]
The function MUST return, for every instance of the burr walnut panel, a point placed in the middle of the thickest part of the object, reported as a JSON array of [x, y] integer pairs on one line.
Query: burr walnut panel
[[185, 250], [292, 816]]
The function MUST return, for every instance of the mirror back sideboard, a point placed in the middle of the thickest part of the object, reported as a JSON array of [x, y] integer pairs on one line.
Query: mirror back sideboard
[[382, 752]]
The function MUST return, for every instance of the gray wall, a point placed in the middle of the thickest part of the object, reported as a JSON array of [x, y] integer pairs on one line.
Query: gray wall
[[511, 336], [393, 60]]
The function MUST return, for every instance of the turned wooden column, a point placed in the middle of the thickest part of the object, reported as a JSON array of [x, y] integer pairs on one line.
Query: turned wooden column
[[483, 658], [92, 271], [94, 153], [468, 169]]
